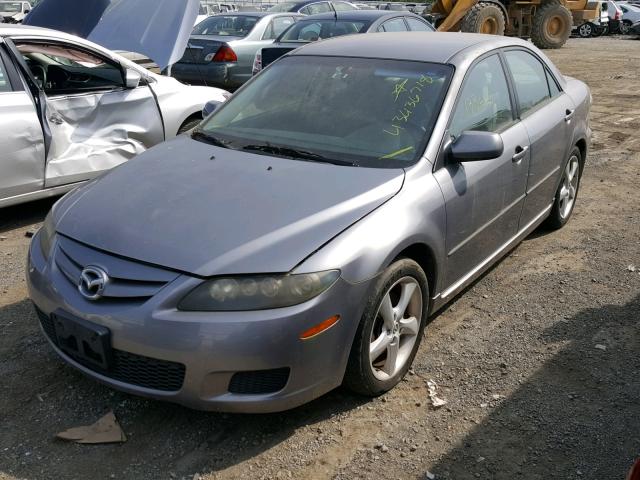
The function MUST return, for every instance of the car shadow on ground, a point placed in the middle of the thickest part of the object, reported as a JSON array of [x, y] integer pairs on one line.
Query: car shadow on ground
[[590, 387], [25, 214], [44, 396]]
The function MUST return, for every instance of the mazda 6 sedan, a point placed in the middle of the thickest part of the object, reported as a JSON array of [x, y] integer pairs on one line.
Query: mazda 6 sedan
[[303, 234]]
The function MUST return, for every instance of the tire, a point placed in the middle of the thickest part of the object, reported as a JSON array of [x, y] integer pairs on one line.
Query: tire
[[586, 30], [189, 124], [624, 27], [567, 191], [599, 31], [484, 17], [372, 376], [551, 25]]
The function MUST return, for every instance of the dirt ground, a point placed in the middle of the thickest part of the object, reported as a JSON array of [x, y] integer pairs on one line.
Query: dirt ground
[[529, 393]]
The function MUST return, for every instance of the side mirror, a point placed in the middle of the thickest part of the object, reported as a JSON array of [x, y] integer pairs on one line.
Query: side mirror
[[209, 108], [26, 11], [471, 146], [132, 78]]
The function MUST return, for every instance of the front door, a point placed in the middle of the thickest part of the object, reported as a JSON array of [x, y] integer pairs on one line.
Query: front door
[[95, 122], [21, 142], [483, 199]]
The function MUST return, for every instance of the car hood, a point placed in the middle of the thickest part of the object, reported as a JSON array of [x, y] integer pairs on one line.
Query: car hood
[[158, 29], [209, 211]]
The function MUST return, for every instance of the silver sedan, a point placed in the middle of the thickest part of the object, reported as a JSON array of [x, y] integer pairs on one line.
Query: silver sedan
[[222, 47], [303, 235], [70, 109]]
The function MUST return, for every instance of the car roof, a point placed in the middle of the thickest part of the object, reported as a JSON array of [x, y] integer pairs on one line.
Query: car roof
[[437, 47], [242, 14], [358, 15]]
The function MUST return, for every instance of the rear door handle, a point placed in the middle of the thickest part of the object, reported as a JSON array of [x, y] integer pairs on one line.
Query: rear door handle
[[520, 153], [568, 114]]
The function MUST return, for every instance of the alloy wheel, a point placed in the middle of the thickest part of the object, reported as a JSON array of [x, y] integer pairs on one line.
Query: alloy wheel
[[396, 327], [569, 186]]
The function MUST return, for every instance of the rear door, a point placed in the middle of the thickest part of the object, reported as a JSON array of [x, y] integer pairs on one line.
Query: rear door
[[22, 141], [95, 122], [546, 113]]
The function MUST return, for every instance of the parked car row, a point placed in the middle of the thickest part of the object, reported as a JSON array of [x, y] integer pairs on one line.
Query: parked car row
[[615, 17], [225, 50]]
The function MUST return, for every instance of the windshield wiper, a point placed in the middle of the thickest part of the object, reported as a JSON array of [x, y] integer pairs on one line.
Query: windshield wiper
[[200, 135], [297, 154]]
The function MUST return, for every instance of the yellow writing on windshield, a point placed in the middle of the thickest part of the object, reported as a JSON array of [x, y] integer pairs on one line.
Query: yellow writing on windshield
[[397, 152]]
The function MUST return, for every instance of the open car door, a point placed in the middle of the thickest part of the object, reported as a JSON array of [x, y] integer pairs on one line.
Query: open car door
[[91, 119]]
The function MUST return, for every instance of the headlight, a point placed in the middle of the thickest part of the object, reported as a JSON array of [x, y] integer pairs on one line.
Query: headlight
[[257, 293], [47, 234]]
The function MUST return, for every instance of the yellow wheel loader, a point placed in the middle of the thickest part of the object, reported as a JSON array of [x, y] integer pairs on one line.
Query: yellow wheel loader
[[547, 22]]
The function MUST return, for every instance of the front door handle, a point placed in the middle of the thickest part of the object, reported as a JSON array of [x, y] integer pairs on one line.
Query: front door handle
[[56, 119], [568, 114], [520, 153]]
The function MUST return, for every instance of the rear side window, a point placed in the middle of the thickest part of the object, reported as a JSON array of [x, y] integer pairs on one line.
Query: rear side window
[[343, 7], [484, 103], [416, 25], [530, 79], [5, 86], [393, 25], [553, 86]]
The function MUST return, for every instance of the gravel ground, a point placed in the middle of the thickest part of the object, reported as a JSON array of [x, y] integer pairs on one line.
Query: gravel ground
[[538, 360]]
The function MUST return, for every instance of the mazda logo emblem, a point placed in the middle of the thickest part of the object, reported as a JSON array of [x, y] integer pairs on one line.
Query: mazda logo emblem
[[92, 282]]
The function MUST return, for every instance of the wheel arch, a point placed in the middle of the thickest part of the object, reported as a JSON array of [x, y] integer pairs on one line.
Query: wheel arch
[[582, 146], [197, 115], [424, 256]]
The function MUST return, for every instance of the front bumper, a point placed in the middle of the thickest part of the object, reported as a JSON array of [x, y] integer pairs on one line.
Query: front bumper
[[213, 347]]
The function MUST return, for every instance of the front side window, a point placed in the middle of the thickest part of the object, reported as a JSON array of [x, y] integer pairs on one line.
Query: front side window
[[62, 69], [277, 26], [394, 25], [307, 31], [282, 7], [315, 8], [529, 77], [226, 26], [416, 25], [321, 109], [483, 103]]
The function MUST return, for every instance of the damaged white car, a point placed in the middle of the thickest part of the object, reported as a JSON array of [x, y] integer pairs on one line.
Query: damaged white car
[[70, 109]]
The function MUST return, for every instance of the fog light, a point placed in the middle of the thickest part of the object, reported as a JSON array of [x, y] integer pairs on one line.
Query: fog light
[[319, 328]]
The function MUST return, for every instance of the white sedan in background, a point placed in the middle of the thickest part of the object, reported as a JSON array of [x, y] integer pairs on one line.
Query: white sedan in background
[[70, 110]]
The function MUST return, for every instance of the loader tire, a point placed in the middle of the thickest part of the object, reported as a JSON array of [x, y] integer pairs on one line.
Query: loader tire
[[484, 17], [551, 26]]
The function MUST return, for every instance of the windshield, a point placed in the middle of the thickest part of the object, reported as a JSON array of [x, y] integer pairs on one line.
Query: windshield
[[10, 7], [226, 25], [357, 111], [282, 7], [308, 31]]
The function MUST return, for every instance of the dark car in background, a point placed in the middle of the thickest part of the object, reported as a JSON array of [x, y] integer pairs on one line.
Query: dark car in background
[[329, 25], [222, 47], [313, 7]]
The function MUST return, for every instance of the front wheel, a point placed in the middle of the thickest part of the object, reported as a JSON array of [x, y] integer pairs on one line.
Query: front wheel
[[567, 192], [390, 330]]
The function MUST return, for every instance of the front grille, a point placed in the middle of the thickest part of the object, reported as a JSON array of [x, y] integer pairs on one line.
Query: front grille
[[128, 280], [260, 381], [129, 367]]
